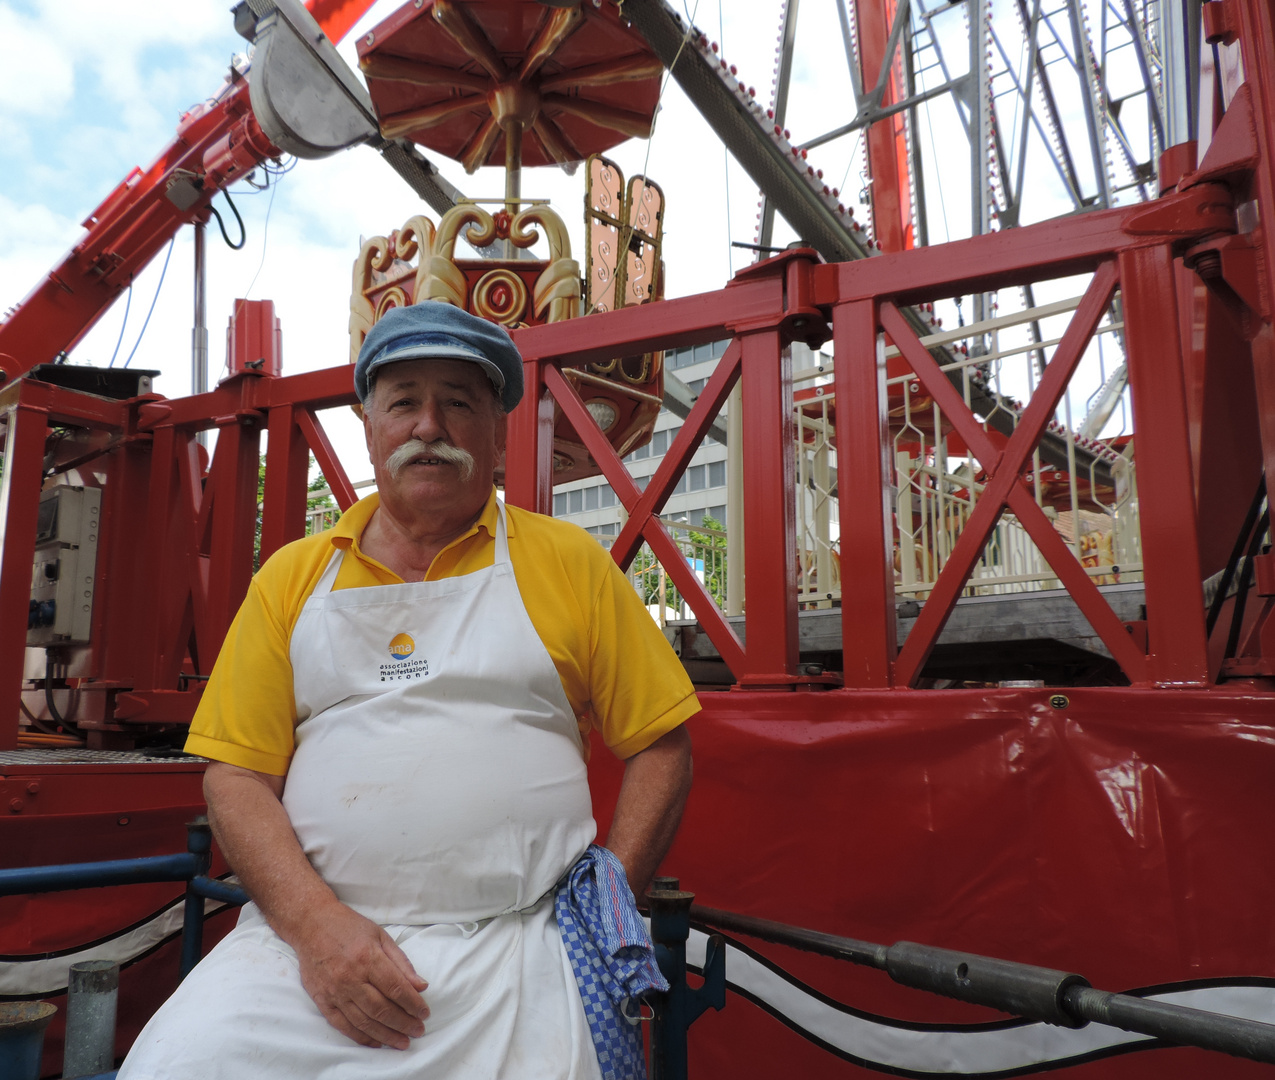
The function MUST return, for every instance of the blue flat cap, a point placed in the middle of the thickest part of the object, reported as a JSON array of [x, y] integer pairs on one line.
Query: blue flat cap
[[436, 330]]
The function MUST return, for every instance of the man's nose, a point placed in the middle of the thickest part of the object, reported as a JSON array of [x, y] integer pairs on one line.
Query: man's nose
[[429, 422]]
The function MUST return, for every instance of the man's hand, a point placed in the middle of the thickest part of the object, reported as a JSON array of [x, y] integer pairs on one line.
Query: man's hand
[[649, 809], [361, 981]]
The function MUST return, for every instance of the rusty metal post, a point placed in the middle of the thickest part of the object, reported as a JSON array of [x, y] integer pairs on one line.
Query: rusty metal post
[[677, 1010]]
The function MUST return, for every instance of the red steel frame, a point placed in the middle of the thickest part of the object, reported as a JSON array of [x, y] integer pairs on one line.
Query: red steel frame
[[177, 546], [198, 535]]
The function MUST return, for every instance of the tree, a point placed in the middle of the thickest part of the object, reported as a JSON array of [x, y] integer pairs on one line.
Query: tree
[[705, 550], [321, 501]]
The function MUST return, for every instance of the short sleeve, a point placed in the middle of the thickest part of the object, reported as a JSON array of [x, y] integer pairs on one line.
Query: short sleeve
[[247, 714], [640, 691]]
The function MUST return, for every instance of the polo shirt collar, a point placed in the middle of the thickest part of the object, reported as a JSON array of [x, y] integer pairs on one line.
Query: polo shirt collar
[[350, 525]]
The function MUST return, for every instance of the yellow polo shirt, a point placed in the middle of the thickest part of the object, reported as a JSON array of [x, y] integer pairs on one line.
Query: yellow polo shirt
[[618, 672]]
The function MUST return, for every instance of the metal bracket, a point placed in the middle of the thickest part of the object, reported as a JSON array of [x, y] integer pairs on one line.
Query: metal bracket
[[307, 100]]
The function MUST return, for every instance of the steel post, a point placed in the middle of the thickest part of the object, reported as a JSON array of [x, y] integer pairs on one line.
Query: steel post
[[283, 502], [199, 335], [529, 447], [92, 998], [1178, 644], [199, 845], [770, 526], [675, 1011], [864, 494]]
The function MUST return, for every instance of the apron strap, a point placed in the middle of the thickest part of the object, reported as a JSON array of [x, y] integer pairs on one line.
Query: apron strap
[[330, 571], [502, 535]]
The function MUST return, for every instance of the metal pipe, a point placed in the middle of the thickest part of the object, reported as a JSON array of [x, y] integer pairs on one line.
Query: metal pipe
[[199, 845], [32, 879], [513, 175], [92, 997], [1173, 1023], [1181, 51], [199, 335], [678, 1009], [1055, 997]]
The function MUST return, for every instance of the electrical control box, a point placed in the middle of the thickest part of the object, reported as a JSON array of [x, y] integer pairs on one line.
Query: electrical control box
[[65, 567]]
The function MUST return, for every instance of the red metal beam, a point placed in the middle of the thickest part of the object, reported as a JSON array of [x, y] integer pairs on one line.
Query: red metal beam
[[1170, 546], [337, 17], [667, 324], [887, 163], [283, 499], [1034, 253], [1004, 486], [529, 443], [770, 550], [19, 508], [234, 474], [329, 464], [644, 506], [670, 469], [863, 482]]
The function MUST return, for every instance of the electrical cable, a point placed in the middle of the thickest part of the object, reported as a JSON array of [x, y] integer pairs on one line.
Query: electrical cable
[[58, 718], [243, 234], [265, 229], [128, 303], [36, 722], [149, 313]]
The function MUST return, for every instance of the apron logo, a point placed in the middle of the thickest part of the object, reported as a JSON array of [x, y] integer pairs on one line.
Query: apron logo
[[402, 666]]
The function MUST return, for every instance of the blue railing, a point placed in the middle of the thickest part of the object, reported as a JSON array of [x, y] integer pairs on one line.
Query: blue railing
[[1052, 996], [190, 866]]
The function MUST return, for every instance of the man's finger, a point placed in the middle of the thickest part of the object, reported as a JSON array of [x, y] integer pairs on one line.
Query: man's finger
[[338, 1020], [400, 961], [370, 1026], [381, 1002]]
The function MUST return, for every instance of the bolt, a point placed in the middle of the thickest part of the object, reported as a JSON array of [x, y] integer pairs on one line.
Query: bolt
[[1059, 701], [15, 806], [1208, 264]]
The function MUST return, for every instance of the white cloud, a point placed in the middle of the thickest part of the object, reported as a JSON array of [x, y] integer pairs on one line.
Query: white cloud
[[36, 74]]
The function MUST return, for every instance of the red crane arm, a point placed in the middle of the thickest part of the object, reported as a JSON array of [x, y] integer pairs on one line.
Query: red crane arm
[[215, 144]]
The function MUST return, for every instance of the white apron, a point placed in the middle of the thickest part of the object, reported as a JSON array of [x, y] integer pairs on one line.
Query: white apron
[[438, 786]]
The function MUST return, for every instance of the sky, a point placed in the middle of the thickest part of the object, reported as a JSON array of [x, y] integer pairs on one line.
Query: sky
[[90, 89]]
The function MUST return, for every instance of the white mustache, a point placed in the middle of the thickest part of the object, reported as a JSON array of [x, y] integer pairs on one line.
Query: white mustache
[[440, 449]]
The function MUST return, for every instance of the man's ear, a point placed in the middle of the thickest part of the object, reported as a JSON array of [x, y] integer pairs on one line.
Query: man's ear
[[502, 433]]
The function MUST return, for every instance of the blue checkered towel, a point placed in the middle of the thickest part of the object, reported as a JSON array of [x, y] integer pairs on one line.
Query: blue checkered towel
[[611, 956]]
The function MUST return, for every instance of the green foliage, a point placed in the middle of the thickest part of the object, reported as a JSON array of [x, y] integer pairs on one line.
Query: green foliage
[[707, 544], [315, 502]]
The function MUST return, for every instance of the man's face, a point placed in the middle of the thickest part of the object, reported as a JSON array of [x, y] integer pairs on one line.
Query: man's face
[[449, 401]]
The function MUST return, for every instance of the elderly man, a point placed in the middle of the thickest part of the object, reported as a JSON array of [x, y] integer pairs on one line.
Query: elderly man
[[395, 726]]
